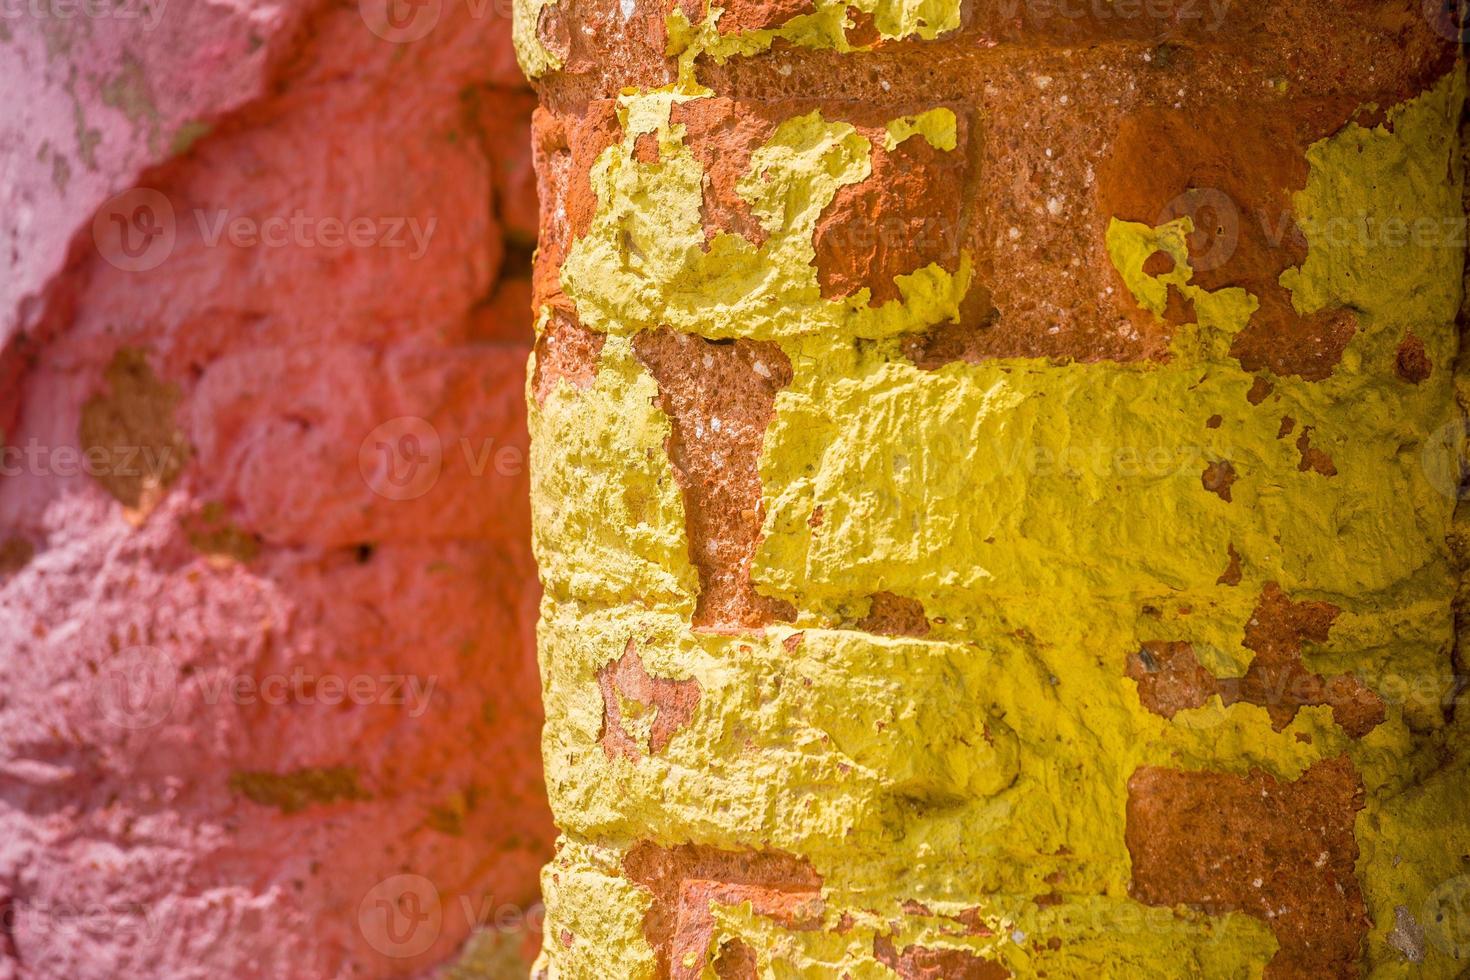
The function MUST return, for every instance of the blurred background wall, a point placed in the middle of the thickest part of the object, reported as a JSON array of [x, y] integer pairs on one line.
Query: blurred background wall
[[268, 697]]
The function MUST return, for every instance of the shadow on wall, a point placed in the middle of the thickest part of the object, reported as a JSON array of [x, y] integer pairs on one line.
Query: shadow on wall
[[268, 694]]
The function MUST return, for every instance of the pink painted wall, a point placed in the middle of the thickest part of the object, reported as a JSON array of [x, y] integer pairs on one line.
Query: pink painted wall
[[268, 698]]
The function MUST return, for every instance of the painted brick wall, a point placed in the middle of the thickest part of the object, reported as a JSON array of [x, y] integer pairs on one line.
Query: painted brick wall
[[994, 473]]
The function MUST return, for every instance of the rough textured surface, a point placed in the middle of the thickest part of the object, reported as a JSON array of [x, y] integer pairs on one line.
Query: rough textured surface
[[1283, 853], [719, 399], [205, 535], [1107, 507]]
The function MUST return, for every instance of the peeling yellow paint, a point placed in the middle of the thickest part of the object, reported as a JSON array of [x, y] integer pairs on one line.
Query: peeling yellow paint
[[535, 58], [644, 260], [824, 28], [594, 916], [1385, 227], [938, 126], [1049, 517], [603, 480]]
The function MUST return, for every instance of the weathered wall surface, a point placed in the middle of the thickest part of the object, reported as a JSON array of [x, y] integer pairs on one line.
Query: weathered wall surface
[[994, 472], [267, 700]]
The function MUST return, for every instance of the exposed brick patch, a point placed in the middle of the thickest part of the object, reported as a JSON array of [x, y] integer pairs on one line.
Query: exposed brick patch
[[1158, 264], [720, 397], [132, 426], [972, 922], [863, 32], [1315, 345], [923, 963], [903, 216], [1218, 478], [693, 12], [740, 16], [645, 148], [965, 341], [564, 149], [906, 214], [625, 680], [565, 351], [1411, 362], [686, 880], [893, 615], [1232, 573], [554, 30], [1260, 390], [1170, 678], [1313, 460], [1283, 852], [722, 137], [1232, 170], [1277, 631], [1287, 425], [736, 961]]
